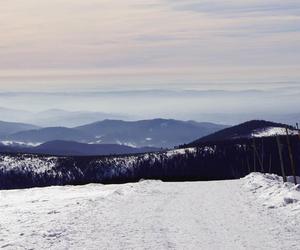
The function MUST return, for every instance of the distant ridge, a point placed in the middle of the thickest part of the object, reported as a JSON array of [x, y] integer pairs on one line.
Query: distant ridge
[[71, 148], [14, 127], [49, 134]]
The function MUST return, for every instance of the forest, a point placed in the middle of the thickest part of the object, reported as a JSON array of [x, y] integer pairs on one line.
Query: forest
[[229, 159]]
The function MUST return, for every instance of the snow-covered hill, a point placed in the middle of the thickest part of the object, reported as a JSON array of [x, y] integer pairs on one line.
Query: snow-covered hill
[[248, 130], [27, 170], [257, 212]]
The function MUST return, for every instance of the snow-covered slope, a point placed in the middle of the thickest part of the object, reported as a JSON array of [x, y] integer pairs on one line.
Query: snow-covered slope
[[273, 131], [27, 170], [153, 215], [36, 164]]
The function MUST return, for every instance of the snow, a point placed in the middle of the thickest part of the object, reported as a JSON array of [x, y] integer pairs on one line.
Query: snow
[[129, 144], [249, 213], [272, 131], [27, 163], [193, 150], [95, 142], [181, 151], [273, 192], [19, 143]]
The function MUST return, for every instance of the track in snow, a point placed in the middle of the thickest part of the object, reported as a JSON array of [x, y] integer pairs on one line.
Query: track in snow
[[144, 215]]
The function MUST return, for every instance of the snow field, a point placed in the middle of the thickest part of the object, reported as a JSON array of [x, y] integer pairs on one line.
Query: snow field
[[250, 213]]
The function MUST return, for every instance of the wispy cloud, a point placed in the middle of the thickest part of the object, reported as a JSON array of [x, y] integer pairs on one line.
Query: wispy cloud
[[181, 104], [235, 7], [136, 42]]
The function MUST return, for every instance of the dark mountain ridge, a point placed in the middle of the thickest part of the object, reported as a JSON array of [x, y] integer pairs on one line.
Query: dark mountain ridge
[[244, 130], [72, 148]]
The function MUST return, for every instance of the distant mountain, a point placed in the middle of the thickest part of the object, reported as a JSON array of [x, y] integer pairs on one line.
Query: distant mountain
[[55, 117], [7, 128], [157, 132], [58, 117], [49, 134], [146, 133], [65, 118], [71, 148], [255, 128]]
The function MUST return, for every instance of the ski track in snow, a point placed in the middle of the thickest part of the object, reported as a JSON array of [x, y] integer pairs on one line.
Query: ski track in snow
[[148, 215]]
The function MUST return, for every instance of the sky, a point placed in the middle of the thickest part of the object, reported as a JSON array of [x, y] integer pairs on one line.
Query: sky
[[108, 45]]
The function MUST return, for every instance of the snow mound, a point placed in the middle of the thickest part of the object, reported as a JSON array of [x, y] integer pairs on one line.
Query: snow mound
[[270, 189], [141, 187]]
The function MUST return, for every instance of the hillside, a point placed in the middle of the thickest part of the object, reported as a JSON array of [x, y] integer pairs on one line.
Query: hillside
[[254, 128]]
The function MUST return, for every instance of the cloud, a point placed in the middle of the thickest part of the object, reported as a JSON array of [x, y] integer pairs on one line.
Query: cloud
[[235, 7], [65, 42], [182, 104]]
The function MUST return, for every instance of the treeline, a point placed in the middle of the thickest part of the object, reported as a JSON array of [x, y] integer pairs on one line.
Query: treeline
[[220, 160], [246, 155]]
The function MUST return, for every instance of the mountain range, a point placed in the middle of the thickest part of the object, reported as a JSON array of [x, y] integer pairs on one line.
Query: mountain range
[[109, 137], [60, 117], [160, 133]]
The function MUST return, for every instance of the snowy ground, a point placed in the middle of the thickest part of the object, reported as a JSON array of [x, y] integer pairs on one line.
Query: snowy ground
[[257, 212]]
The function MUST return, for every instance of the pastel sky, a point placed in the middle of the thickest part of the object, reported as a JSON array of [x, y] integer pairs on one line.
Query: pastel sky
[[58, 44]]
